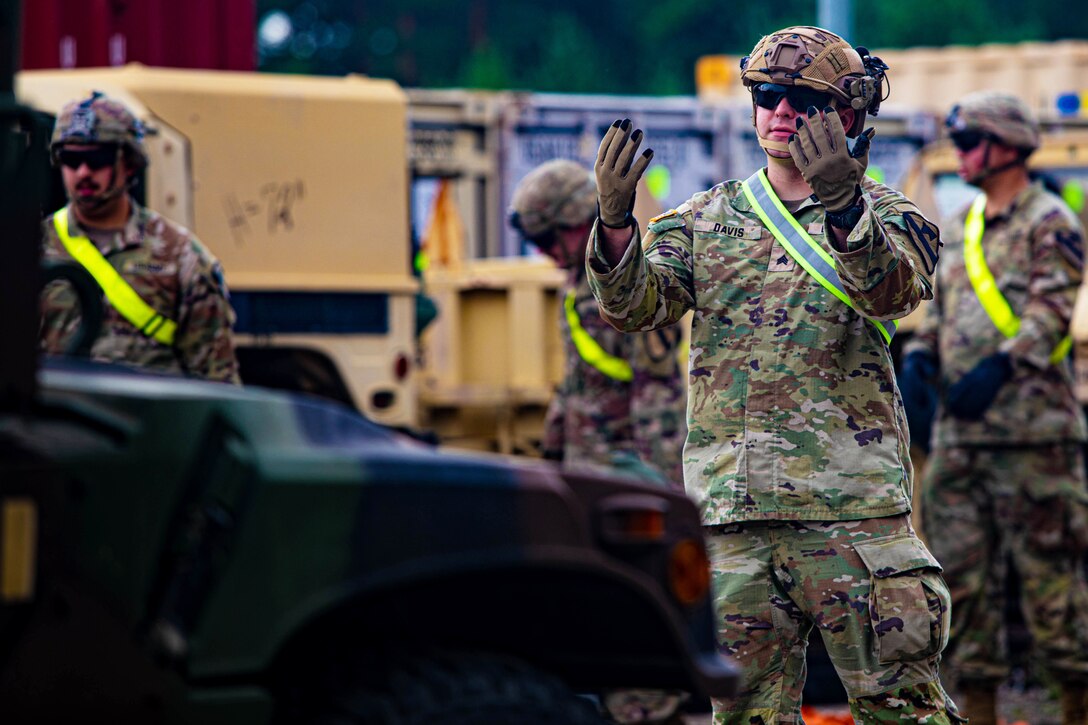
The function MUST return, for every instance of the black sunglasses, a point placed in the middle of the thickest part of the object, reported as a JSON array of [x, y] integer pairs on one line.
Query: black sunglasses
[[546, 241], [96, 158], [769, 95], [967, 140]]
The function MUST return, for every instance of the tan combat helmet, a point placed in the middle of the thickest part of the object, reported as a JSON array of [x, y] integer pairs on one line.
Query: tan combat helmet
[[558, 193], [100, 120], [999, 116], [815, 58]]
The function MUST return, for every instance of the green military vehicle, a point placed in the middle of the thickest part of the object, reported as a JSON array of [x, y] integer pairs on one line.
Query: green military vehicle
[[173, 550], [189, 551]]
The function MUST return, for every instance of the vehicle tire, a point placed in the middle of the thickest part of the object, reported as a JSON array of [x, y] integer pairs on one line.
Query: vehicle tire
[[459, 689]]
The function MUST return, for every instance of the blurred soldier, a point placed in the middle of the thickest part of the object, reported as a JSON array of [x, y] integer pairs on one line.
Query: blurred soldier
[[798, 447], [166, 305], [1005, 481], [621, 399]]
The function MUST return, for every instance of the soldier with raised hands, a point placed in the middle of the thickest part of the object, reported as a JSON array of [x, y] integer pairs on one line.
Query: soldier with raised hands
[[797, 447]]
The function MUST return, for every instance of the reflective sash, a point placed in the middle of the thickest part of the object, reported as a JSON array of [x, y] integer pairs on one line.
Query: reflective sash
[[982, 280], [120, 294], [589, 349], [801, 246]]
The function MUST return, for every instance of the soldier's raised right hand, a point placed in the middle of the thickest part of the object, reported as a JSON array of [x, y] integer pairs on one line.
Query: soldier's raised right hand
[[617, 176], [823, 155]]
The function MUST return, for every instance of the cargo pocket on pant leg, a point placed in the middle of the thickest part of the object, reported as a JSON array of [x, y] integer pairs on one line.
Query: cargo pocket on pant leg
[[909, 601]]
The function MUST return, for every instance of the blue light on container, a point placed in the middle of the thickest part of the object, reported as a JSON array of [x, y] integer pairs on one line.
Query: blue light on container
[[1068, 104]]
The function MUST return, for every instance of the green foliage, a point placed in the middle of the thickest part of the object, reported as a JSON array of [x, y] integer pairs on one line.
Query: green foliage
[[609, 46], [486, 68]]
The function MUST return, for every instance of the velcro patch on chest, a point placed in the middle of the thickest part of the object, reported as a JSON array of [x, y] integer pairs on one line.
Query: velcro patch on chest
[[664, 222], [154, 268], [739, 232]]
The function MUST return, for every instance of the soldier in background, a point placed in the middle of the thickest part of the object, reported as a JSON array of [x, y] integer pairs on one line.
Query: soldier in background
[[166, 304], [621, 399], [797, 449], [1005, 481]]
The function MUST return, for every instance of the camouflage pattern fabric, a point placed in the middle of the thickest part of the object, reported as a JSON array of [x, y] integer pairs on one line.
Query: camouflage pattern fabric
[[987, 506], [173, 273], [1001, 115], [99, 120], [595, 419], [793, 409], [870, 588], [557, 193], [1035, 251]]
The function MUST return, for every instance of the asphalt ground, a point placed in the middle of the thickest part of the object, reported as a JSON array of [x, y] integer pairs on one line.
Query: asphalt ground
[[1028, 698]]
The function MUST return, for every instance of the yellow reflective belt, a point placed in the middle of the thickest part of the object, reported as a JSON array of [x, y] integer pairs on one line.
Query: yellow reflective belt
[[590, 350], [982, 280], [120, 294], [805, 250]]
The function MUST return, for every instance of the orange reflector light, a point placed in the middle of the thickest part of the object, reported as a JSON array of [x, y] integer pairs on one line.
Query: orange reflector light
[[648, 525], [689, 572], [401, 367], [633, 518]]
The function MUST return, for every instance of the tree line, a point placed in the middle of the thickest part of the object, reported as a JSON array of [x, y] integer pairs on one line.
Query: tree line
[[634, 46]]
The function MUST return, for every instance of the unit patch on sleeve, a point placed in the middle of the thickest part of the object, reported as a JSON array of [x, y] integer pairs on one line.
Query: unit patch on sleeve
[[925, 237]]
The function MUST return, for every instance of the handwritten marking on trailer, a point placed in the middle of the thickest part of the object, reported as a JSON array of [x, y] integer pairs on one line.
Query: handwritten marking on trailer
[[274, 203]]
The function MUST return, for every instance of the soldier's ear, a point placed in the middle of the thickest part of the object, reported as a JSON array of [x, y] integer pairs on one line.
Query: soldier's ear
[[847, 116], [132, 163]]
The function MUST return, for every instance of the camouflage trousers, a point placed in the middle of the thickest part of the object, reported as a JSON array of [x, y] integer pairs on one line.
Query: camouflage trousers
[[988, 509], [871, 589]]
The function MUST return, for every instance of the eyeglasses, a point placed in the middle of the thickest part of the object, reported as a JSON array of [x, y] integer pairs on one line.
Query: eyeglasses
[[967, 140], [96, 158], [769, 95], [547, 241]]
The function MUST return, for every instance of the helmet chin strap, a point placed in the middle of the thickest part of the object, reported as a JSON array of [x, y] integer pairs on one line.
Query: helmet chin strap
[[988, 171], [115, 190], [774, 145], [770, 145]]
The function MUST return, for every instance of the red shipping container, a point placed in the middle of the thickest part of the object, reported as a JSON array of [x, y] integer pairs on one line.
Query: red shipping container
[[214, 34]]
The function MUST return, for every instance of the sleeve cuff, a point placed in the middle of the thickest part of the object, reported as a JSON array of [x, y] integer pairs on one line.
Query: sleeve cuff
[[597, 264]]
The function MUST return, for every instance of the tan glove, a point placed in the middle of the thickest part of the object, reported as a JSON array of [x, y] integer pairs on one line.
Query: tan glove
[[616, 175], [822, 154]]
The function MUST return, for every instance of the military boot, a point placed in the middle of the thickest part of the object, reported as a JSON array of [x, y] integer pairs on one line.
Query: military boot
[[979, 703], [1074, 703]]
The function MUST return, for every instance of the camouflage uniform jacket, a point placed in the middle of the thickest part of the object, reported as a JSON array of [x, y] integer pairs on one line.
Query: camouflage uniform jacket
[[594, 417], [173, 273], [1035, 250], [793, 411]]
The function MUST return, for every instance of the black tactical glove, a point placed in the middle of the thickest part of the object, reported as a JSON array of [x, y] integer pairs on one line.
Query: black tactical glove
[[969, 397], [919, 393], [822, 154], [617, 176]]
